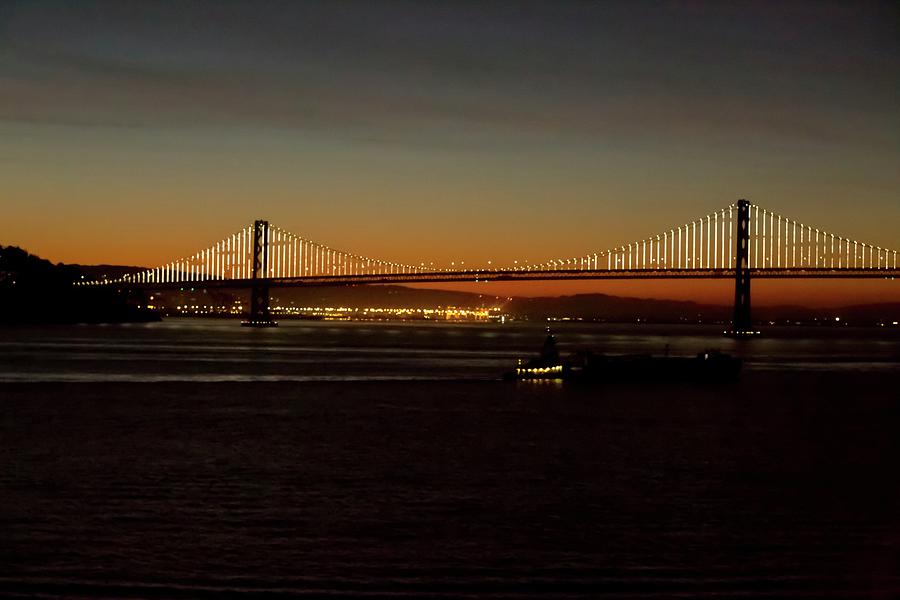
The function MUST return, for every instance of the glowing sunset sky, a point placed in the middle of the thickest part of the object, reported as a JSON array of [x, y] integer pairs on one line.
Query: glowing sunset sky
[[139, 132]]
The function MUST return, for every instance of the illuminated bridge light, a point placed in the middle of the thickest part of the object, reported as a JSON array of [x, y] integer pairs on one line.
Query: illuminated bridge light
[[704, 244]]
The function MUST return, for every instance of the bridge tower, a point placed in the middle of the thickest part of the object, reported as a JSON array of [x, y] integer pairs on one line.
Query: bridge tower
[[742, 324], [259, 290]]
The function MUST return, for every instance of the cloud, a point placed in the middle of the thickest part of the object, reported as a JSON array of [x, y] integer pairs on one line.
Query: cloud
[[423, 73]]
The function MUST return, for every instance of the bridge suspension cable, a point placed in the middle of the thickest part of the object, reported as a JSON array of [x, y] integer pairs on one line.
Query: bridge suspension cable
[[286, 256], [708, 243], [783, 243], [705, 244]]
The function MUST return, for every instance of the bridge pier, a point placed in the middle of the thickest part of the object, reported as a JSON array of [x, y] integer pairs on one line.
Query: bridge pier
[[259, 291], [742, 323]]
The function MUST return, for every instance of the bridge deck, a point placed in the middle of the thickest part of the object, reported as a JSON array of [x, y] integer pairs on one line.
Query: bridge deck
[[545, 275]]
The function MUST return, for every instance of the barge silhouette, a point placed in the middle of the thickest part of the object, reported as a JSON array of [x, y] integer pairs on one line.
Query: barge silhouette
[[708, 366]]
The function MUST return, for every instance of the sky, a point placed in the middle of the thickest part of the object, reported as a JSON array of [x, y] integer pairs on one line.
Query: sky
[[140, 132]]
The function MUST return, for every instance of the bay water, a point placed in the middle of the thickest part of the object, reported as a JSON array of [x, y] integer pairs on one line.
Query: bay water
[[195, 458]]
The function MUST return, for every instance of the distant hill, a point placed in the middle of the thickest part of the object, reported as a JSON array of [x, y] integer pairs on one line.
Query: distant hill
[[887, 312], [19, 268], [603, 307], [106, 271], [33, 289], [383, 296], [592, 307]]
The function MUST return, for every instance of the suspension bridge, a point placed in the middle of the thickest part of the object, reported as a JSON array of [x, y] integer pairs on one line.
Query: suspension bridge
[[741, 241]]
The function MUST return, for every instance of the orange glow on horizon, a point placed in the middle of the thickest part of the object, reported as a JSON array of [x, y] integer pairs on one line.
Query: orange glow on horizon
[[140, 248], [765, 292]]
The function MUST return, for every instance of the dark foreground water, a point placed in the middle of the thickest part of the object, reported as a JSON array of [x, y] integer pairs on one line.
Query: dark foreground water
[[198, 459]]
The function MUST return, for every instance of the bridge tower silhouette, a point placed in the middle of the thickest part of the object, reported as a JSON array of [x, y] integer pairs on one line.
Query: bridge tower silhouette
[[742, 323], [259, 290]]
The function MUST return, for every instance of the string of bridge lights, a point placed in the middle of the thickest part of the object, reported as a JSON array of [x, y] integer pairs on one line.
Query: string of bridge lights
[[707, 243], [776, 242], [286, 256]]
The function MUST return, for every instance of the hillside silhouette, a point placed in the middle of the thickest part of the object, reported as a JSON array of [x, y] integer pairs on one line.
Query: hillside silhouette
[[33, 289]]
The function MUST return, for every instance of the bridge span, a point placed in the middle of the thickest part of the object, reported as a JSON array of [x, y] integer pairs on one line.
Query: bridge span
[[740, 242], [479, 275]]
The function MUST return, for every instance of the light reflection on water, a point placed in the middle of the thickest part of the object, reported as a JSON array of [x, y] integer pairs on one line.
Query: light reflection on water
[[202, 350]]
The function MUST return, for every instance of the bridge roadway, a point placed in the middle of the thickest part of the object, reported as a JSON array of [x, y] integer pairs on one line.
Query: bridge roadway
[[525, 275]]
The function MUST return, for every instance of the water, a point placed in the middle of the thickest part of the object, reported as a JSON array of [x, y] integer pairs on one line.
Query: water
[[196, 350], [196, 458]]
